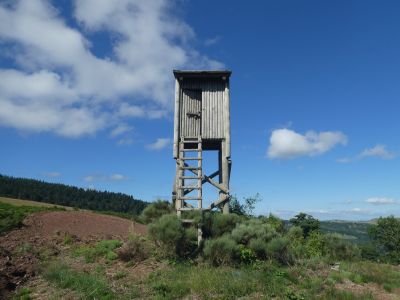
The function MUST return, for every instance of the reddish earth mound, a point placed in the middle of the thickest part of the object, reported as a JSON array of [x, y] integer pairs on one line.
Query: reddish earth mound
[[82, 225], [20, 248]]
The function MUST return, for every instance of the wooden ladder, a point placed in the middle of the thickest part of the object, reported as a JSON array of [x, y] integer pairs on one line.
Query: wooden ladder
[[190, 177]]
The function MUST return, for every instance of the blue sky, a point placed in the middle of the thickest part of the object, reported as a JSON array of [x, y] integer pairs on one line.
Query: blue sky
[[86, 97]]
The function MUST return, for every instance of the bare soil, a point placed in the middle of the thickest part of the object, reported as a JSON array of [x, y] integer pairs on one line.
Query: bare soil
[[43, 234]]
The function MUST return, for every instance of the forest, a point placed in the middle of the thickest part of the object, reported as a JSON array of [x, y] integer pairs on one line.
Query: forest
[[61, 194]]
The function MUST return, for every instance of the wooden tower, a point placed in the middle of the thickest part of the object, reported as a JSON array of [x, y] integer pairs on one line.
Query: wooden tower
[[202, 123]]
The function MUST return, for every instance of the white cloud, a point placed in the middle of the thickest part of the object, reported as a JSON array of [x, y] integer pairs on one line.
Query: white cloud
[[69, 90], [378, 151], [381, 201], [104, 178], [211, 41], [120, 129], [288, 144], [161, 143]]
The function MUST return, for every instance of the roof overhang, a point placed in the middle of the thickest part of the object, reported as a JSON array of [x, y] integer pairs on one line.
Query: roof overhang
[[180, 74]]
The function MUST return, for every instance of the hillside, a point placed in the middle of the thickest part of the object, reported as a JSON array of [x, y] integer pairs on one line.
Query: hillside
[[65, 195], [352, 231]]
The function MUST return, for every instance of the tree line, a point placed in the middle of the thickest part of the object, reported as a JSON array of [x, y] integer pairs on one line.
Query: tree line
[[61, 194]]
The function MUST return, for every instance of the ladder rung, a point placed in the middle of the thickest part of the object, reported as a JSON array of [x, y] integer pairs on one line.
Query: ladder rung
[[189, 188], [185, 150], [191, 168], [191, 158], [188, 209], [191, 141], [190, 177], [187, 220], [190, 198]]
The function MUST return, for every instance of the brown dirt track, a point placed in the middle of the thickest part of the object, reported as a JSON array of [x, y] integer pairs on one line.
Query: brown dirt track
[[20, 248]]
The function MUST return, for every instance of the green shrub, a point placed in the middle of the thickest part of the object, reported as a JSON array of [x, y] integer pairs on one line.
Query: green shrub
[[307, 222], [314, 246], [223, 223], [167, 232], [385, 233], [276, 223], [278, 249], [259, 248], [155, 210], [252, 229], [336, 248], [221, 251]]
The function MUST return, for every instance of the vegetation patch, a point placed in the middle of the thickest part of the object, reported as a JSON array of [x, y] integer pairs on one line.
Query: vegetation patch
[[103, 249], [90, 286]]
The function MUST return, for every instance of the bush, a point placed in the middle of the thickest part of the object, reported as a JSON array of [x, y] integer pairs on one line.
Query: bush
[[278, 249], [295, 236], [222, 223], [259, 247], [221, 251], [167, 232], [314, 246], [336, 248], [155, 210], [135, 248], [386, 235], [276, 223], [253, 229], [307, 222]]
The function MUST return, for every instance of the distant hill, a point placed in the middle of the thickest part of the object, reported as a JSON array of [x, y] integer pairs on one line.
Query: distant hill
[[353, 231], [61, 194]]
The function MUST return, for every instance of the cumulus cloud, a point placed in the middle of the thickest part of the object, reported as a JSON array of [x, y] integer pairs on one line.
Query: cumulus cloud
[[159, 144], [381, 201], [104, 178], [378, 151], [287, 144], [71, 91]]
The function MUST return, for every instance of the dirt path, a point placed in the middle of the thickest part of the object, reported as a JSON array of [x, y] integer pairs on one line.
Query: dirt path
[[20, 248]]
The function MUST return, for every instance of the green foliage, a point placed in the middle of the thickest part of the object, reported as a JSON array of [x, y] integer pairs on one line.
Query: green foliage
[[245, 208], [30, 189], [103, 249], [276, 223], [221, 251], [155, 210], [171, 237], [386, 234], [88, 285], [259, 248], [335, 248], [314, 246], [278, 249], [252, 229], [11, 216], [223, 223], [307, 222]]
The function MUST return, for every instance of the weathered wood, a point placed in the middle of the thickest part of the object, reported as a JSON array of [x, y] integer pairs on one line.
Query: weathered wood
[[216, 184], [225, 175], [227, 120], [176, 119]]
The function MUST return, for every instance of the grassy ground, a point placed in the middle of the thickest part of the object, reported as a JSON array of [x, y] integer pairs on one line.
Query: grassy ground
[[20, 202]]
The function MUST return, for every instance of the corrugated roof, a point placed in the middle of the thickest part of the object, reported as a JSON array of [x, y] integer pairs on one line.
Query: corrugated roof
[[202, 73]]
